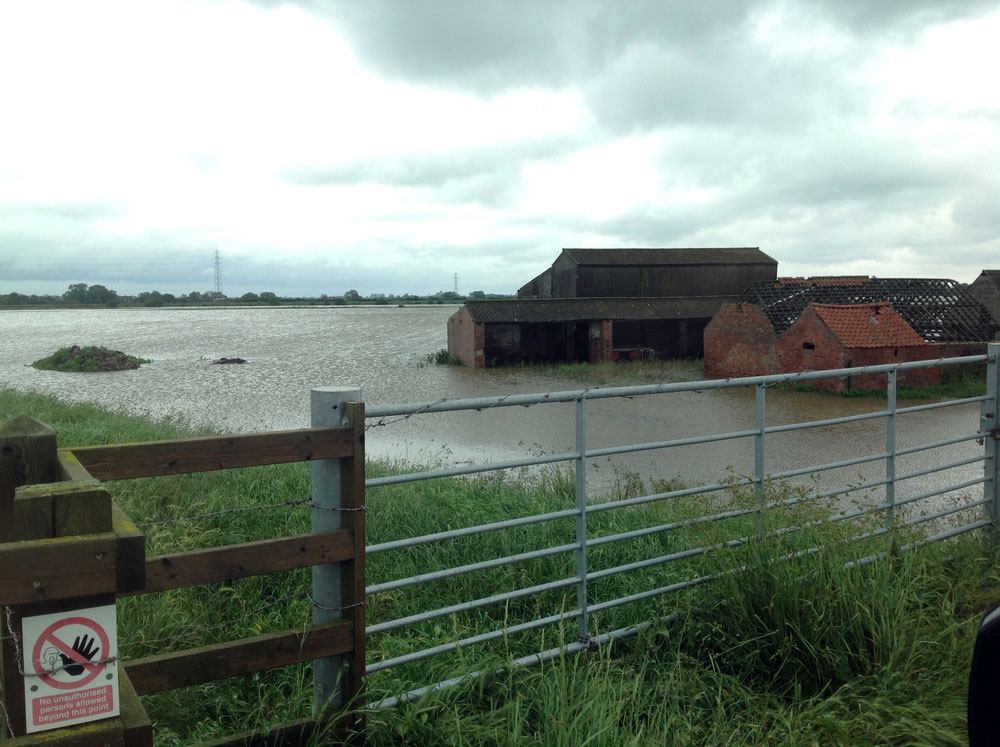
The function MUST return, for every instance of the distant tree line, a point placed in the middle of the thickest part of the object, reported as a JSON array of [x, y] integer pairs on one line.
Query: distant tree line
[[83, 295]]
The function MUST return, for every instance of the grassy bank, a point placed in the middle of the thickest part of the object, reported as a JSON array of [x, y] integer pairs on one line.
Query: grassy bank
[[791, 653]]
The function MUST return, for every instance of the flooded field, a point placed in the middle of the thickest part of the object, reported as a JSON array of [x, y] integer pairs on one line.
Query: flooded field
[[381, 351]]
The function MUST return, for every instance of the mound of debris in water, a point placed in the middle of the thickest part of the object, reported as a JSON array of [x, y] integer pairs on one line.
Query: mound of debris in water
[[90, 359], [224, 361]]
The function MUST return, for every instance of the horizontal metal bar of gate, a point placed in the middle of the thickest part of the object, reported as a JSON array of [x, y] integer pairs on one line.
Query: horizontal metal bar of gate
[[470, 568], [469, 531], [470, 605]]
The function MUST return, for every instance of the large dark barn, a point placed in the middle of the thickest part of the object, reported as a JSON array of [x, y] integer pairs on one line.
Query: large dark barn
[[609, 304]]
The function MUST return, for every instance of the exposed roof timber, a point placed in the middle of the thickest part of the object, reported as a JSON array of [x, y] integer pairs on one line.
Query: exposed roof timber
[[940, 310]]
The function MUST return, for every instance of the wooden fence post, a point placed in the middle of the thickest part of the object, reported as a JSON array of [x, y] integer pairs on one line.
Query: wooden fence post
[[38, 576], [327, 410], [990, 425], [28, 452]]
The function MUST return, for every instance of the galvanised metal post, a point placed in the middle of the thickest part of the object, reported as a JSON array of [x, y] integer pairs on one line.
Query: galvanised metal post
[[327, 594], [759, 469], [890, 460], [991, 427], [583, 627]]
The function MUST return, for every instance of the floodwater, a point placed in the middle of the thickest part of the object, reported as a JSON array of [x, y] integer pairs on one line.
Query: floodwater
[[379, 349]]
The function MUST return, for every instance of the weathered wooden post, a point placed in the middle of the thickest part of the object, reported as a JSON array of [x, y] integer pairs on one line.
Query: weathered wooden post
[[990, 425], [338, 588], [59, 553]]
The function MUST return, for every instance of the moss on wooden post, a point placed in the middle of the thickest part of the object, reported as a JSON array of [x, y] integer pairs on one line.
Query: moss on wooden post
[[34, 450]]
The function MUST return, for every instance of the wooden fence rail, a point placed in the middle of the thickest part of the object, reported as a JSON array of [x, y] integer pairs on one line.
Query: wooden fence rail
[[66, 546]]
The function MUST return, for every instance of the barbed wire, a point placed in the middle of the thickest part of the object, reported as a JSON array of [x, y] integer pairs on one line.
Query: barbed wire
[[195, 631], [6, 716], [223, 512], [19, 660], [382, 422], [9, 614], [241, 509], [385, 421], [189, 633]]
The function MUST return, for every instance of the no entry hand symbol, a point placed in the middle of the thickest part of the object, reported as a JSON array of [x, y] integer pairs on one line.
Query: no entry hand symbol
[[76, 659]]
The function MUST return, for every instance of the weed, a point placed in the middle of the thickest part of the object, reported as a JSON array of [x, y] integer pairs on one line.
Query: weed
[[90, 359]]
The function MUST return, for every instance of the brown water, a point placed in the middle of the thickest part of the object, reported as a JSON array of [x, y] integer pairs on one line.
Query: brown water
[[380, 349]]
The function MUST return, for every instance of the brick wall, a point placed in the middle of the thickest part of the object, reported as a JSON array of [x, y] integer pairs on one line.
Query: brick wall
[[877, 356], [601, 338], [740, 341], [794, 354], [466, 339], [809, 345]]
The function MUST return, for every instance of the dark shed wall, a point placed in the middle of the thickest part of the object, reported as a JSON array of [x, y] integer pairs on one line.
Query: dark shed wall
[[564, 278], [985, 290], [675, 280], [539, 287]]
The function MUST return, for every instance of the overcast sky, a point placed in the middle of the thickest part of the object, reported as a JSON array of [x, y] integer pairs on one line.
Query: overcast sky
[[388, 146]]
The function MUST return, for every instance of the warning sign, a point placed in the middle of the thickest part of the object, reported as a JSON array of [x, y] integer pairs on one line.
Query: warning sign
[[71, 667]]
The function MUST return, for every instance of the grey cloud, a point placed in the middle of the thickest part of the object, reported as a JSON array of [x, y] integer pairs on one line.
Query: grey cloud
[[492, 47], [488, 175], [901, 17], [975, 214], [653, 87], [489, 48]]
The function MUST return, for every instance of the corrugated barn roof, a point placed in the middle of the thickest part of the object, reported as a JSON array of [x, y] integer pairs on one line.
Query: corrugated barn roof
[[551, 310], [740, 255]]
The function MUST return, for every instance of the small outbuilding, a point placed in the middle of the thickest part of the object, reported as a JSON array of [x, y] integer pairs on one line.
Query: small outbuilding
[[829, 336]]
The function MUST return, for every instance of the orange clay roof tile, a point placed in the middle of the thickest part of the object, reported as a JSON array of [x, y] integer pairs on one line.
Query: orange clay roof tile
[[868, 325]]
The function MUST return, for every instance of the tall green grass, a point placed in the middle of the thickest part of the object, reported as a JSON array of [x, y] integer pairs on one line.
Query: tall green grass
[[789, 652]]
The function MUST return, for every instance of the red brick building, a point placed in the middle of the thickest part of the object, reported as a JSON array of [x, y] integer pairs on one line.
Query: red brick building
[[740, 341], [744, 339], [844, 336]]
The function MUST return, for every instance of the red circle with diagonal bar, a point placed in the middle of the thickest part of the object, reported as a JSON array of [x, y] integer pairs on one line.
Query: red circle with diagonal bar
[[48, 637]]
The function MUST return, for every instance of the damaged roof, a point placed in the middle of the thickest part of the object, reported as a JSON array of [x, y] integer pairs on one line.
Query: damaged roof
[[938, 309]]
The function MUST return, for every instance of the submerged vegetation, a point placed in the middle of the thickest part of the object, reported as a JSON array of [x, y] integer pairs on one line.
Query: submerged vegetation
[[784, 653], [958, 382], [89, 359], [622, 372], [441, 358]]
